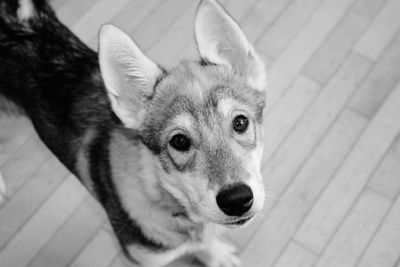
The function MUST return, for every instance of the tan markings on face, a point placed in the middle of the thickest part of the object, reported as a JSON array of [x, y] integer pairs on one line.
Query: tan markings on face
[[181, 124], [182, 121], [225, 106], [230, 109]]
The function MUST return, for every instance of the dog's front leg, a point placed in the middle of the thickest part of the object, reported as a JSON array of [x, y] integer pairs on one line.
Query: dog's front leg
[[217, 253]]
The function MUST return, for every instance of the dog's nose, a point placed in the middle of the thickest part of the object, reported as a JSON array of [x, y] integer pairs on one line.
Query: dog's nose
[[236, 200]]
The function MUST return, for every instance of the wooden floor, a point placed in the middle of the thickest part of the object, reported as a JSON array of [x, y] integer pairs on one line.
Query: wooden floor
[[332, 145]]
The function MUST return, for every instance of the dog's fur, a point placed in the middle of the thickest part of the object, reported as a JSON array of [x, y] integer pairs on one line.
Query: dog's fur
[[109, 118]]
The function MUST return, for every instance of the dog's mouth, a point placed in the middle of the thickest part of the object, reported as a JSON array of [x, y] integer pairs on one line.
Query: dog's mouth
[[239, 222]]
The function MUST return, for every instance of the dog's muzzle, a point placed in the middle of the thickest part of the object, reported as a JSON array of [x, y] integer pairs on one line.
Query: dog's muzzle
[[236, 200]]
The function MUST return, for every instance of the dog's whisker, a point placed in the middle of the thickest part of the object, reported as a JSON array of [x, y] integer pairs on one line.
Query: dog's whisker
[[271, 194]]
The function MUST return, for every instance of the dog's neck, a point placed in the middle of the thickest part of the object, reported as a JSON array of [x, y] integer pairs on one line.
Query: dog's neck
[[136, 178]]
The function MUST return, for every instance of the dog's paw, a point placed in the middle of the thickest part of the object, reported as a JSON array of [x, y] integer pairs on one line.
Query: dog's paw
[[225, 256], [220, 254]]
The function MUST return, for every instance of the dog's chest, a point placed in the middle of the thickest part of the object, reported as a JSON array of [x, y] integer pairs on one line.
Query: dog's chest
[[191, 232]]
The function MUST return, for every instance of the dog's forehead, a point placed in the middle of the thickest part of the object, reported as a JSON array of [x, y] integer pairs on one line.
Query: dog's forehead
[[196, 81], [193, 87]]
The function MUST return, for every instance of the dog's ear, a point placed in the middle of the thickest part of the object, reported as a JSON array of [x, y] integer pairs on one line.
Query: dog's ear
[[129, 75], [221, 41]]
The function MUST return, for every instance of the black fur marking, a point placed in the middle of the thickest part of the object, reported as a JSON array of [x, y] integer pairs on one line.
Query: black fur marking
[[55, 78], [204, 62], [159, 79], [126, 229], [164, 74]]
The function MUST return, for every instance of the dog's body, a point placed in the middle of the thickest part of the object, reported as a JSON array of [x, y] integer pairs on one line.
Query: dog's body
[[171, 155]]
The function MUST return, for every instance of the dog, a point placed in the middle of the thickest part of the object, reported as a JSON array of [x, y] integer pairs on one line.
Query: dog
[[172, 155]]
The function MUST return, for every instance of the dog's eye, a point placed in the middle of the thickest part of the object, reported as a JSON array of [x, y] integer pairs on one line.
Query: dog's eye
[[240, 124], [180, 142]]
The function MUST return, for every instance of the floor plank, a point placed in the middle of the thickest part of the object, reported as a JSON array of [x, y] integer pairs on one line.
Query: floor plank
[[14, 135], [102, 11], [69, 12], [158, 21], [380, 82], [15, 176], [279, 123], [330, 209], [284, 28], [2, 189], [384, 27], [175, 39], [99, 252], [386, 178], [384, 249], [129, 17], [239, 9], [64, 246], [355, 232], [38, 229], [315, 122], [296, 256], [296, 55], [260, 18], [32, 195], [340, 41]]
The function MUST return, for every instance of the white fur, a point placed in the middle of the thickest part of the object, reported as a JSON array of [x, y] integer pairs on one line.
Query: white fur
[[212, 252], [128, 74], [209, 34], [26, 9], [218, 254], [184, 120], [225, 106], [221, 41]]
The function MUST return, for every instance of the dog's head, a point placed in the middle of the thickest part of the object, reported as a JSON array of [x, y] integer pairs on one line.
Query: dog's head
[[202, 121]]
